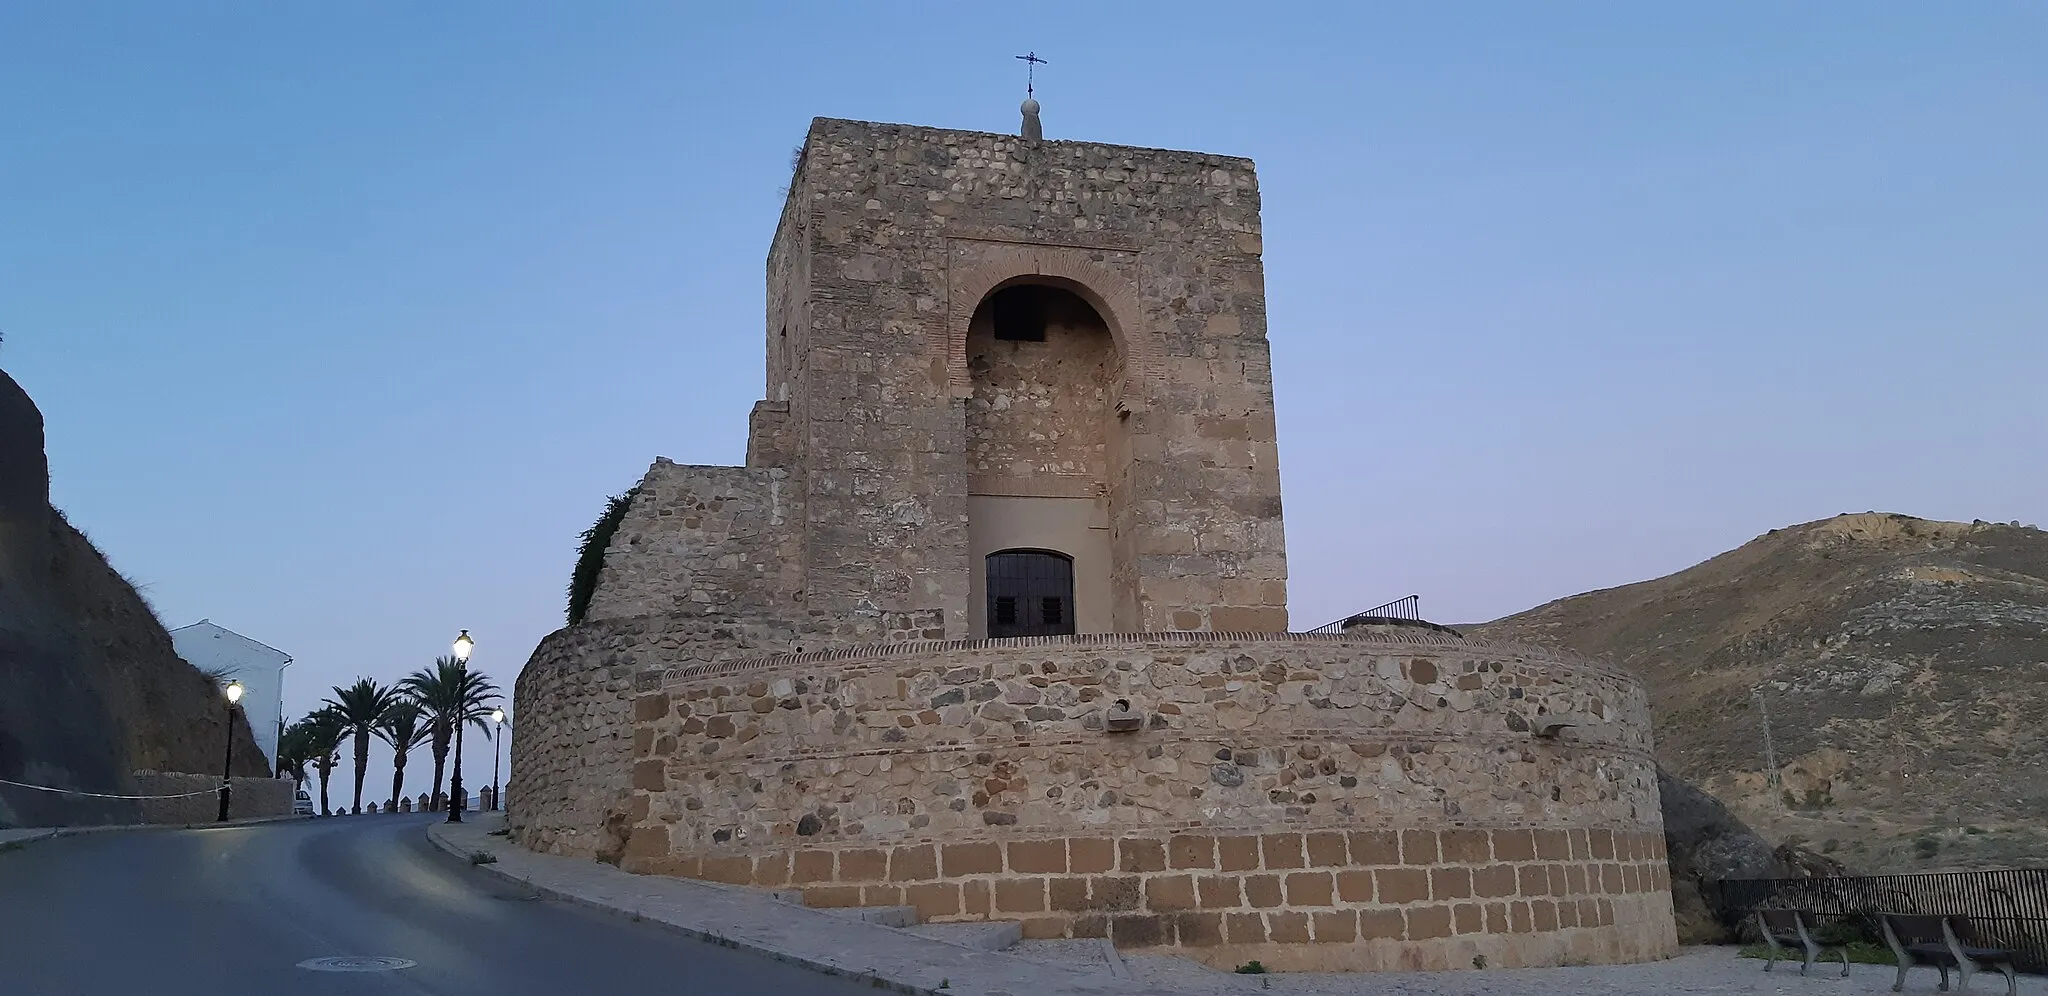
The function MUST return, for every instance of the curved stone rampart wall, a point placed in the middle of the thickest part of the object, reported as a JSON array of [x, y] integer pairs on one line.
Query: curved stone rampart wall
[[1316, 802], [572, 729]]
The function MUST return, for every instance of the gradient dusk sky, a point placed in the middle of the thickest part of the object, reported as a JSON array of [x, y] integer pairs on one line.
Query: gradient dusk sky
[[346, 318]]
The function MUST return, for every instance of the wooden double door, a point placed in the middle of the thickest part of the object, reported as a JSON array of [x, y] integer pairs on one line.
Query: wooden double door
[[1030, 593]]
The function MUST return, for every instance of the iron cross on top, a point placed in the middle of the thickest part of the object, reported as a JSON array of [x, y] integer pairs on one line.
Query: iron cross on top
[[1031, 64]]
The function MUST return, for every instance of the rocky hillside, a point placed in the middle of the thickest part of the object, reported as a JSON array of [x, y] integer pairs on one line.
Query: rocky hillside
[[1903, 665], [90, 689]]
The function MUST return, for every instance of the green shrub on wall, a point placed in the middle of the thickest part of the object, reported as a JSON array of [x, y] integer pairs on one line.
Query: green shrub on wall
[[590, 556]]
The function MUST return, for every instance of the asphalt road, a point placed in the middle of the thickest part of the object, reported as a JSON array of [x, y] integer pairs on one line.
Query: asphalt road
[[232, 911]]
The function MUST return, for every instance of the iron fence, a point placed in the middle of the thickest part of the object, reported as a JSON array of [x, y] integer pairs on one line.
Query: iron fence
[[2009, 907], [1407, 609]]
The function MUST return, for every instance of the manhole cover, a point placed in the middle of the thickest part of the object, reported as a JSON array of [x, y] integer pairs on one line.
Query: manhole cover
[[356, 963]]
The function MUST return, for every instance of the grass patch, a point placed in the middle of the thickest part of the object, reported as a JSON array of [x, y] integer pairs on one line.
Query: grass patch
[[1251, 967], [482, 858], [1860, 952]]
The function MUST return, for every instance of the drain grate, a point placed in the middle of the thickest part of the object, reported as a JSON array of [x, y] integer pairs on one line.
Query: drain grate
[[356, 963]]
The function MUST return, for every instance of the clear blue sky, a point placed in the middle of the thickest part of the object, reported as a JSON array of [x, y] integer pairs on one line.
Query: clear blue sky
[[346, 319]]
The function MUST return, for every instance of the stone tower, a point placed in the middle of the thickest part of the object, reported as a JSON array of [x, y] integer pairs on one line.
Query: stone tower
[[988, 357], [992, 624]]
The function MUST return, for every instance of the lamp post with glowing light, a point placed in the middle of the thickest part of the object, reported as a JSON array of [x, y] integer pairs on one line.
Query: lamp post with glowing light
[[456, 797], [498, 727], [227, 764]]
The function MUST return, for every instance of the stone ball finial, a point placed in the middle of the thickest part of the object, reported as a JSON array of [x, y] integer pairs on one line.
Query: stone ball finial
[[1032, 129]]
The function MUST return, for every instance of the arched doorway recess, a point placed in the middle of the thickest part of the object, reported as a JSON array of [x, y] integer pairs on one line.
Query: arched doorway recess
[[1043, 457]]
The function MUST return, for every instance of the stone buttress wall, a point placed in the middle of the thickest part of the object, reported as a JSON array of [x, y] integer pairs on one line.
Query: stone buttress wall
[[1313, 802], [705, 540]]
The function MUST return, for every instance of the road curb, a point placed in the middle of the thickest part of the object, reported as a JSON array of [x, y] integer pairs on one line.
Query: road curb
[[878, 981], [32, 835]]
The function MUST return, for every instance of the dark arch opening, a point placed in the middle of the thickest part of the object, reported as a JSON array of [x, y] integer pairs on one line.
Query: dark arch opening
[[1022, 312], [1030, 593]]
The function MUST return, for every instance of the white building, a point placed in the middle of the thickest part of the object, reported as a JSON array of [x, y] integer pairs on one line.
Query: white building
[[260, 669]]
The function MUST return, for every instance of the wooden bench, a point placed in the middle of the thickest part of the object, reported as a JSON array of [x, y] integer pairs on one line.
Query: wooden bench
[[1784, 929], [1944, 942]]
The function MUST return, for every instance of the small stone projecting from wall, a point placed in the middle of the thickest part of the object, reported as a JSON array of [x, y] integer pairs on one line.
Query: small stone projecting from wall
[[993, 622]]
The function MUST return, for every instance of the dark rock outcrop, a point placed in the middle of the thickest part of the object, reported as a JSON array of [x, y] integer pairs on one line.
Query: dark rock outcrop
[[90, 687], [1706, 843]]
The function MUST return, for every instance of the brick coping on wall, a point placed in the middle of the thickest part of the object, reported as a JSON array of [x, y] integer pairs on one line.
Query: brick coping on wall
[[920, 648]]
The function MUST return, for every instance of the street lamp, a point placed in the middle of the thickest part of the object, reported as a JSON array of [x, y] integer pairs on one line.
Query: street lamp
[[456, 796], [227, 764], [497, 718]]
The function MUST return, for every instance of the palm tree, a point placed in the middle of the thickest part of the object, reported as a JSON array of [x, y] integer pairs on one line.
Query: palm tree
[[361, 707], [323, 731], [295, 750], [450, 693], [479, 698], [402, 730]]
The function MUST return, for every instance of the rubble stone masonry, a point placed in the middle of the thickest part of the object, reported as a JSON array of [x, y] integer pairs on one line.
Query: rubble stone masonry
[[1314, 802], [572, 742], [1152, 395], [780, 680]]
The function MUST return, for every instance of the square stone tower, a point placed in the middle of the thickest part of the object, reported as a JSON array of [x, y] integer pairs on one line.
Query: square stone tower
[[1014, 387], [1021, 388]]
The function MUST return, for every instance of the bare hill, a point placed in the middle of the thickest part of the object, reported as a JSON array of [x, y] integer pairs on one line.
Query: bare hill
[[1903, 664]]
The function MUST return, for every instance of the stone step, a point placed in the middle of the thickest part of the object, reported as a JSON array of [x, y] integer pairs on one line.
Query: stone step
[[986, 935], [887, 916]]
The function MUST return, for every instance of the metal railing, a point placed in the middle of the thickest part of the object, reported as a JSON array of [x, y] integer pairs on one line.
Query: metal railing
[[2008, 907], [1407, 609]]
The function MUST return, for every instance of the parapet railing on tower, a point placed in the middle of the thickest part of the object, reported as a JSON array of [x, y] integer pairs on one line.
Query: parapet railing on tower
[[1407, 609]]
